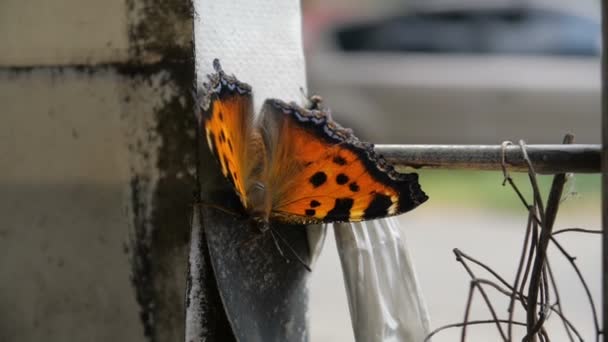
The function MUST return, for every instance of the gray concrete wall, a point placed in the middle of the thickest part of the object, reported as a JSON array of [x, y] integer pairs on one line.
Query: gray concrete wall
[[65, 271], [96, 169], [63, 32]]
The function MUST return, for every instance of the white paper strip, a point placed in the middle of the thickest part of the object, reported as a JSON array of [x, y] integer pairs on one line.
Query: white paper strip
[[258, 41]]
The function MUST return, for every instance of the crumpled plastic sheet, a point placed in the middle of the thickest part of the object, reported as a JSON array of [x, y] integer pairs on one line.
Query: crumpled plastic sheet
[[385, 301]]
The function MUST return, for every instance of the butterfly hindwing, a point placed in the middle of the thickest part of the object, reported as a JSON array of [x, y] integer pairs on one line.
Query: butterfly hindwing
[[227, 115], [320, 172]]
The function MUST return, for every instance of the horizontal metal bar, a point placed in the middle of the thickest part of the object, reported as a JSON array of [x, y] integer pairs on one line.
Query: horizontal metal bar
[[546, 159]]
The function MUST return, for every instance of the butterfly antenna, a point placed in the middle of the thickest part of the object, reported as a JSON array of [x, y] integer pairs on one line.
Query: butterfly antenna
[[219, 207], [217, 66], [276, 244], [293, 251]]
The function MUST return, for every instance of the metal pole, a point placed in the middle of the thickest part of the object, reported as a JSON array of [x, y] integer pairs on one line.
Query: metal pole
[[547, 159], [604, 167]]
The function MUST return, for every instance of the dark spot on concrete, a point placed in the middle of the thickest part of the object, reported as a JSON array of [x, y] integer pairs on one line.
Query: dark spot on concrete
[[318, 179], [310, 212], [354, 187], [314, 204], [339, 160], [341, 179], [160, 212], [341, 210]]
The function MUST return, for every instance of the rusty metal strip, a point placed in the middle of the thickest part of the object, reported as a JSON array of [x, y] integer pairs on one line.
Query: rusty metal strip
[[547, 159]]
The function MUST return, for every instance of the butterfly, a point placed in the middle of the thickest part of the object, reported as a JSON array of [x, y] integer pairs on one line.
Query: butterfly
[[296, 165]]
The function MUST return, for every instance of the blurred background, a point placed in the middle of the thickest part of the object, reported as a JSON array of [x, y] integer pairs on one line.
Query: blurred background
[[464, 72], [396, 71]]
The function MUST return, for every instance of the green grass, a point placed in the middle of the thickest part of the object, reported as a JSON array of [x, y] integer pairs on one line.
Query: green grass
[[483, 189]]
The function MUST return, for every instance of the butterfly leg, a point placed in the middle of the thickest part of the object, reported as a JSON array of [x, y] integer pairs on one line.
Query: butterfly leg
[[276, 244], [258, 231], [313, 102], [293, 251], [264, 226], [219, 207]]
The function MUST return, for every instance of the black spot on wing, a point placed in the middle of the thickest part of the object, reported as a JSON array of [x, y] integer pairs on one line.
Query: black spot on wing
[[226, 163], [318, 179], [354, 187], [410, 196], [314, 203], [310, 212], [378, 207], [229, 173], [342, 179], [339, 160], [320, 124], [222, 136], [221, 116], [230, 146], [340, 211]]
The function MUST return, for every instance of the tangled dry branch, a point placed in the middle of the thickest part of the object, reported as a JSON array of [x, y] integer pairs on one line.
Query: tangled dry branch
[[534, 287]]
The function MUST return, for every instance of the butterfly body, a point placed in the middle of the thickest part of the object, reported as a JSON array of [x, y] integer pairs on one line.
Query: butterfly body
[[296, 165]]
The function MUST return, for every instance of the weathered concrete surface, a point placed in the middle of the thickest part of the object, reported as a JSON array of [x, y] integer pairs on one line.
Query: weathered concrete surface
[[97, 187], [61, 125], [162, 143], [159, 77], [64, 166], [107, 137], [89, 32], [63, 32]]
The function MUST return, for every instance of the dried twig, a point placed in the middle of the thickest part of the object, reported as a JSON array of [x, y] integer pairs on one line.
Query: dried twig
[[577, 230], [557, 306], [522, 259], [572, 261], [476, 322], [534, 270], [482, 291], [547, 220]]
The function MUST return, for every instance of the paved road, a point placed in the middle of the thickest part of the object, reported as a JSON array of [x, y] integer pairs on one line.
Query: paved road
[[493, 237]]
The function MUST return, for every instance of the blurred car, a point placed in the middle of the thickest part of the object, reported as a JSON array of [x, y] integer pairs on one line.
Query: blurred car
[[463, 75]]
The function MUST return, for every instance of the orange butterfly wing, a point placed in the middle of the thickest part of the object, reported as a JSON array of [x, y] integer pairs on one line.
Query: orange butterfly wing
[[227, 115], [320, 172]]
